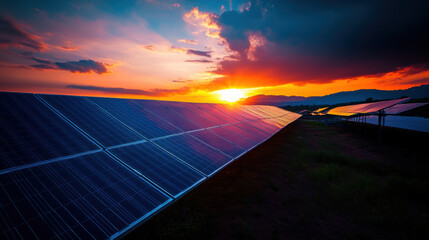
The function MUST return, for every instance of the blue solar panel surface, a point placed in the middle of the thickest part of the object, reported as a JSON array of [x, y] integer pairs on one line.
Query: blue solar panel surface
[[229, 132], [135, 116], [164, 170], [31, 132], [92, 119], [188, 111], [197, 154], [245, 132], [165, 111], [218, 142], [84, 192], [206, 111], [88, 197]]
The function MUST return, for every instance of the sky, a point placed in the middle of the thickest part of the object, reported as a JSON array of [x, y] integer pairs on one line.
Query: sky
[[190, 50]]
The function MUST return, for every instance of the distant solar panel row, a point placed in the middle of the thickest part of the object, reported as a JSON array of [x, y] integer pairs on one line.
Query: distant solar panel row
[[400, 108], [79, 167], [364, 108]]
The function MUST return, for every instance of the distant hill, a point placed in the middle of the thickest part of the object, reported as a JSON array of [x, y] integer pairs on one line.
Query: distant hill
[[270, 100], [340, 97]]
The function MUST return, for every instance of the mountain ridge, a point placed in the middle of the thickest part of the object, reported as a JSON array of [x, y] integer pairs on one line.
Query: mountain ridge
[[339, 97]]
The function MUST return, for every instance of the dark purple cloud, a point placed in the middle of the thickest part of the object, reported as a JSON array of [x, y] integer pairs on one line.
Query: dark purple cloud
[[199, 61], [12, 35], [113, 90], [81, 66], [199, 53], [157, 92], [307, 41]]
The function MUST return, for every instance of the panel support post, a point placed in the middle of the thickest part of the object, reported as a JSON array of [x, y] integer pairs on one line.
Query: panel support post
[[380, 115]]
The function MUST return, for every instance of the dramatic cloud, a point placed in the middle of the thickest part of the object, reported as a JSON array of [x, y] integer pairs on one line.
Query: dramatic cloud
[[206, 22], [300, 42], [153, 92], [81, 66], [12, 35]]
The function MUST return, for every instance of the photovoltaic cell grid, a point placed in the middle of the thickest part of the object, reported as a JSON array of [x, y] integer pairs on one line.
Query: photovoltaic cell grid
[[30, 132], [170, 174], [88, 197], [159, 149], [90, 118]]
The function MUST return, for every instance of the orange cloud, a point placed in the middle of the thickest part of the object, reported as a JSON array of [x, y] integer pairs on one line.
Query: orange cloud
[[194, 42], [68, 48], [205, 21]]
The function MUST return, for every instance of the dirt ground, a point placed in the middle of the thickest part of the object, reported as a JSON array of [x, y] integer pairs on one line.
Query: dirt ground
[[310, 181]]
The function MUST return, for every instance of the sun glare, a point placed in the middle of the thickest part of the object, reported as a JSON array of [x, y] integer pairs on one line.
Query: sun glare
[[230, 95]]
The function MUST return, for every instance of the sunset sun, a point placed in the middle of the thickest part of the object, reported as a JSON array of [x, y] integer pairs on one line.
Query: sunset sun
[[230, 95]]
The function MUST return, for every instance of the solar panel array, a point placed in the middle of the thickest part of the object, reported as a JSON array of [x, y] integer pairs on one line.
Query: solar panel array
[[364, 108], [93, 168], [400, 108]]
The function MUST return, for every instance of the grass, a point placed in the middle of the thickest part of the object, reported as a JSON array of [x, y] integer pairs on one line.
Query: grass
[[308, 182]]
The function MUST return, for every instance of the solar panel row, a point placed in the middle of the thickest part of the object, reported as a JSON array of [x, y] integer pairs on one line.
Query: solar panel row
[[95, 167], [364, 108], [400, 108]]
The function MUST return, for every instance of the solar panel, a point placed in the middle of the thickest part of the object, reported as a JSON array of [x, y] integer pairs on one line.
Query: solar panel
[[87, 197], [196, 115], [159, 167], [228, 133], [254, 137], [351, 110], [230, 112], [92, 119], [268, 128], [275, 122], [165, 111], [218, 142], [258, 111], [249, 115], [57, 183], [253, 131], [194, 152], [30, 132], [275, 111], [136, 117], [400, 108], [210, 113], [319, 110], [213, 110]]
